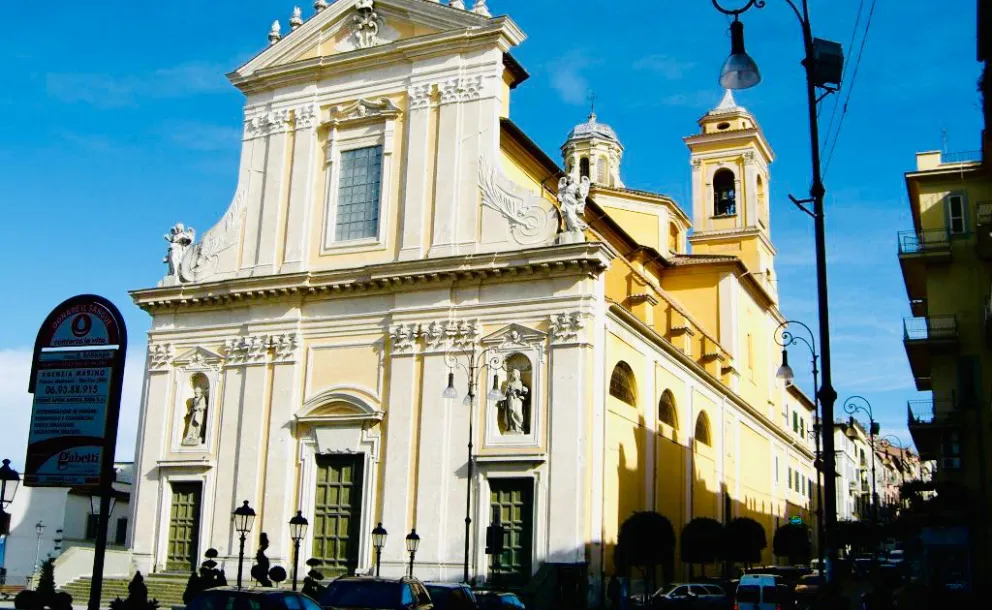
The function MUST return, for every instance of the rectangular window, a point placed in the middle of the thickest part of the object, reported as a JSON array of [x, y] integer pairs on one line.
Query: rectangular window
[[802, 427], [956, 215], [776, 469], [120, 536], [790, 477], [795, 421], [809, 488], [358, 194]]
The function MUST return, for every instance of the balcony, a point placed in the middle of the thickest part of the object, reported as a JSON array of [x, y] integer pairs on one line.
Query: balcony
[[923, 337], [929, 421], [916, 250], [983, 211]]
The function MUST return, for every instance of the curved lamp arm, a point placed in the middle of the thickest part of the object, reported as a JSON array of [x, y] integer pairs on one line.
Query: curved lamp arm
[[858, 403]]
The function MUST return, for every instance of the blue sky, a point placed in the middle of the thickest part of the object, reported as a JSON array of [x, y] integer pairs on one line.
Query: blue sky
[[119, 122]]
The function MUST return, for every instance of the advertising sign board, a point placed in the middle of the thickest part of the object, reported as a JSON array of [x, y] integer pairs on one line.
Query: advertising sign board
[[76, 380]]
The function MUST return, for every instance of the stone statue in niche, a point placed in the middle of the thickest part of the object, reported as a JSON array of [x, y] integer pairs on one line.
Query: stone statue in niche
[[572, 196], [196, 412], [516, 394], [180, 239]]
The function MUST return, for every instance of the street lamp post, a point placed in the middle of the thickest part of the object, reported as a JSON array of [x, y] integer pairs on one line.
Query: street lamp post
[[823, 62], [297, 530], [244, 517], [378, 541], [477, 360], [786, 338], [9, 482], [851, 406], [412, 544], [39, 529]]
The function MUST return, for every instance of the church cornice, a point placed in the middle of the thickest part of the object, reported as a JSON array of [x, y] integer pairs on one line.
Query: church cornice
[[589, 259], [501, 32]]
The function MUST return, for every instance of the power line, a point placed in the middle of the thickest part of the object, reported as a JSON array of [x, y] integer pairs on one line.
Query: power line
[[843, 78], [850, 88]]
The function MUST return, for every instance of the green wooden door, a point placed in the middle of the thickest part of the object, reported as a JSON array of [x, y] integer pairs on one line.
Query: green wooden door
[[514, 500], [337, 513], [184, 527]]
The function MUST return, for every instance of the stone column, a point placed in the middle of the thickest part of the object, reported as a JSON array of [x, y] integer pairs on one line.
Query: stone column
[[418, 167], [278, 502], [403, 427], [152, 445], [301, 190], [272, 194], [238, 456], [569, 443]]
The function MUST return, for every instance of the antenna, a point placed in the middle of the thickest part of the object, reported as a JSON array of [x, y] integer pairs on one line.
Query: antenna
[[943, 139]]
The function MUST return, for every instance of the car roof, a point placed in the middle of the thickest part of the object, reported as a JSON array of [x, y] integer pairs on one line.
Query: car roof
[[446, 585], [250, 590], [374, 579]]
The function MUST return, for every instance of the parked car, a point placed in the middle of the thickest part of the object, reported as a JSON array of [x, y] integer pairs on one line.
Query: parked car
[[357, 592], [452, 596], [498, 600], [690, 595], [761, 592], [257, 598]]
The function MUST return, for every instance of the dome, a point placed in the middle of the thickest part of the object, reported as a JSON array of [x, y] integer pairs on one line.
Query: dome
[[593, 129]]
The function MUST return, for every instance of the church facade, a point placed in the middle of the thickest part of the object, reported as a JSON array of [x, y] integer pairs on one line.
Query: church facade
[[411, 315]]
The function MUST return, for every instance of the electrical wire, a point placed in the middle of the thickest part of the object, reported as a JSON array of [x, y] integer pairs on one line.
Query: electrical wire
[[850, 88], [843, 78]]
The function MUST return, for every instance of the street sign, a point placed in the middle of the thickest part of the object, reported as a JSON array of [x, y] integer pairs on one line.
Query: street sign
[[76, 378], [796, 520]]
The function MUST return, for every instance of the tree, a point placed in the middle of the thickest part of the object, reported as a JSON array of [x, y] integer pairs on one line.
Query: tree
[[702, 542], [792, 541], [744, 540], [646, 540]]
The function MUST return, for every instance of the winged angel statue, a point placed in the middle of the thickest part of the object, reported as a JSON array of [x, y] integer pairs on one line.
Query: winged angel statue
[[572, 200], [191, 261]]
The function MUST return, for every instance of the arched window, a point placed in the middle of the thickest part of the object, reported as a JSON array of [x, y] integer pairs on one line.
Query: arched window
[[702, 434], [666, 410], [622, 384], [762, 202], [584, 167], [724, 193]]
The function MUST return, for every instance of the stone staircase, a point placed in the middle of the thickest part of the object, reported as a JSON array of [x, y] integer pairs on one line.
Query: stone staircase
[[166, 588]]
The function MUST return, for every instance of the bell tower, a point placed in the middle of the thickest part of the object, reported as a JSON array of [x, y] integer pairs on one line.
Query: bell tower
[[730, 189]]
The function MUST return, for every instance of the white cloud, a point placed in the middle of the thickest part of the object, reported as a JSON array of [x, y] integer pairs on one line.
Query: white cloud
[[119, 91], [15, 403], [567, 76], [195, 135], [666, 66]]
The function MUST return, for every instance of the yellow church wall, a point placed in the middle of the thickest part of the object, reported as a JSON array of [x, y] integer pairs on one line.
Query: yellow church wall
[[640, 225], [697, 292], [333, 363]]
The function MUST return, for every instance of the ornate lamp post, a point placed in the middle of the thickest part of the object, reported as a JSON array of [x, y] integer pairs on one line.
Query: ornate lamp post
[[244, 518], [9, 482], [378, 541], [851, 406], [297, 530], [823, 62], [476, 361], [412, 544], [39, 529], [786, 338]]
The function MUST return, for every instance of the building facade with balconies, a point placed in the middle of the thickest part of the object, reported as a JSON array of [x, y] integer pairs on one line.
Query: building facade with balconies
[[946, 263]]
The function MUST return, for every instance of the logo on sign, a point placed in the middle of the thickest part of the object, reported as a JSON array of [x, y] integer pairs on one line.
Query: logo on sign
[[81, 325], [68, 458]]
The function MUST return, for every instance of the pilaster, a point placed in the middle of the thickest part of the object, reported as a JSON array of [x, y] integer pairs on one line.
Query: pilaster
[[272, 193], [301, 189], [415, 207], [449, 155]]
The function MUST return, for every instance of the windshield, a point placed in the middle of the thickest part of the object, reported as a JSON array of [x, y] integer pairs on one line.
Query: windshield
[[439, 595], [748, 594], [665, 590], [361, 594]]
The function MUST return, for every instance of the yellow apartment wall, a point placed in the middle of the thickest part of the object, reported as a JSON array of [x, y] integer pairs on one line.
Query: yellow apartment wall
[[642, 226]]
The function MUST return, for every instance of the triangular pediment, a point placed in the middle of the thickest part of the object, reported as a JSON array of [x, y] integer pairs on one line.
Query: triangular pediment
[[515, 335], [354, 25], [198, 357]]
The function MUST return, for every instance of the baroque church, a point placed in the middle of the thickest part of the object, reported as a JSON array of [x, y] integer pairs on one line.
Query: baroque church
[[411, 315]]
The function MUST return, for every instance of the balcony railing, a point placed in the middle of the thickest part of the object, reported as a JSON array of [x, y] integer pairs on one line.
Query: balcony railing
[[932, 328], [964, 156], [926, 241], [983, 209], [929, 411]]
